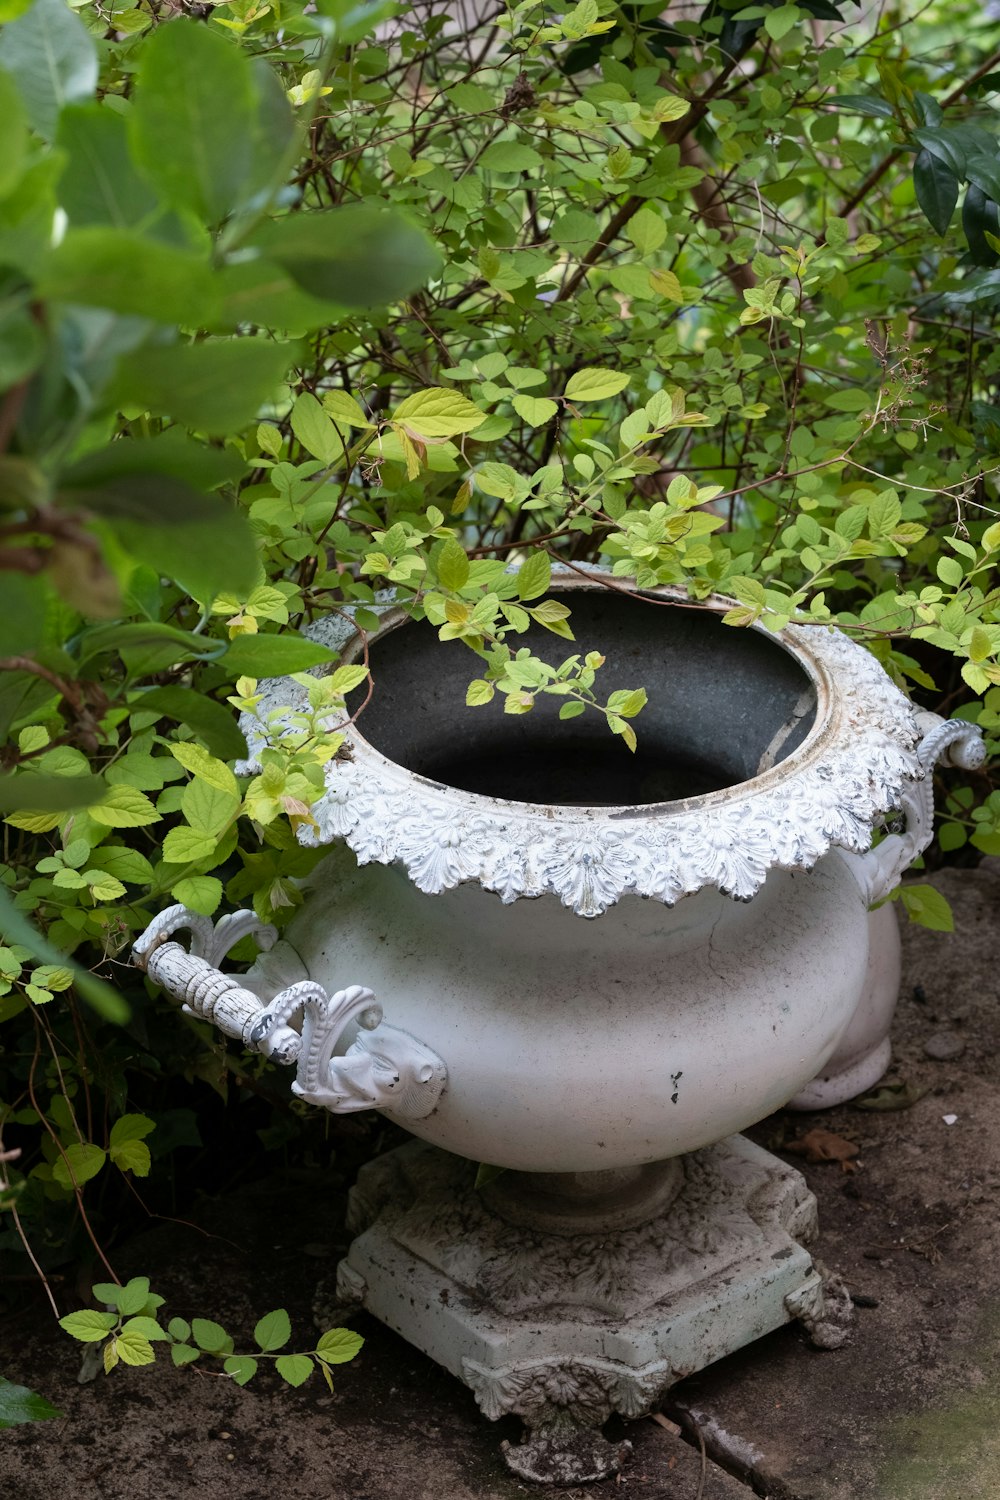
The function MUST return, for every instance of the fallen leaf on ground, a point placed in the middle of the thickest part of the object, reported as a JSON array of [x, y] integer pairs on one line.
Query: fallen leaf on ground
[[823, 1145], [895, 1095]]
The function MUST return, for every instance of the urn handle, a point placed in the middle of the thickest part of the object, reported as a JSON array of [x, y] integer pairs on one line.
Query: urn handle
[[953, 742], [383, 1068]]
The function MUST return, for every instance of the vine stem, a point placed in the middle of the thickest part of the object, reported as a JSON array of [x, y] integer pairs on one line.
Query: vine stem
[[6, 1156]]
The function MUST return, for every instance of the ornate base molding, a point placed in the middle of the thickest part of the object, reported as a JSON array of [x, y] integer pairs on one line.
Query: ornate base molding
[[562, 1330]]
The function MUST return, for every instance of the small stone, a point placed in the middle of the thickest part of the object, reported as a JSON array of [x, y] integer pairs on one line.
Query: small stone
[[944, 1046]]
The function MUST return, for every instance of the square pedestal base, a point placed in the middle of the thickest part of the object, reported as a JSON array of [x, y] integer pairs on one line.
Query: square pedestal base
[[563, 1330]]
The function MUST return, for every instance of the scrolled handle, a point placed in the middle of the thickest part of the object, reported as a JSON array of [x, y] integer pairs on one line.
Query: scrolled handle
[[952, 742], [383, 1068]]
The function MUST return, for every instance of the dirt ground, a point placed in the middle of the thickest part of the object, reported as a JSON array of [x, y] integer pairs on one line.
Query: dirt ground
[[909, 1411]]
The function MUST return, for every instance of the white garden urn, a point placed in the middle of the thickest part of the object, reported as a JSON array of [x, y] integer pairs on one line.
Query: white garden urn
[[590, 969]]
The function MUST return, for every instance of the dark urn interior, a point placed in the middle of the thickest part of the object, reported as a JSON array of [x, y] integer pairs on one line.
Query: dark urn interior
[[724, 705]]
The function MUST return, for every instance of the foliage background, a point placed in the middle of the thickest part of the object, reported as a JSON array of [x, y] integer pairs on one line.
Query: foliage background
[[296, 304]]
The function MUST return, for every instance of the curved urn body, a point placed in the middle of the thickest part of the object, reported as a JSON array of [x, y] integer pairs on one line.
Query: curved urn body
[[576, 1046]]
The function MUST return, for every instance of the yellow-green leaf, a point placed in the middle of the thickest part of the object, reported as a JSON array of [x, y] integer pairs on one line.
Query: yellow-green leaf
[[438, 413], [665, 284], [345, 411], [124, 807], [535, 410], [198, 761], [595, 384], [79, 1164]]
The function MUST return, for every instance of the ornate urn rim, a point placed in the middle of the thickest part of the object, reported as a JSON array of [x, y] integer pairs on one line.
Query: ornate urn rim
[[849, 771]]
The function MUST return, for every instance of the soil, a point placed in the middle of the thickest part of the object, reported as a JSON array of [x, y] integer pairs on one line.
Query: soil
[[909, 1411]]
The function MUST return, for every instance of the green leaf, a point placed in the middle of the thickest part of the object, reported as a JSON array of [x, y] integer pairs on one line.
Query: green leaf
[[510, 156], [864, 104], [338, 1345], [185, 846], [497, 479], [927, 907], [15, 134], [346, 679], [100, 184], [15, 928], [215, 386], [124, 864], [52, 56], [242, 1367], [979, 219], [646, 230], [131, 1128], [209, 809], [124, 807], [184, 1354], [479, 692], [344, 410], [194, 117], [179, 1328], [357, 256], [949, 570], [202, 893], [273, 1331], [273, 655], [22, 621], [129, 273], [30, 792], [853, 400], [88, 1326], [887, 1097], [205, 767], [132, 1157], [275, 131], [18, 1404], [534, 575], [134, 1295], [209, 720], [211, 1337], [945, 144], [133, 1349], [315, 430], [149, 1328], [595, 384], [170, 454], [779, 22], [80, 1163], [295, 1369], [535, 410], [203, 542], [936, 187], [438, 412], [666, 284], [453, 566]]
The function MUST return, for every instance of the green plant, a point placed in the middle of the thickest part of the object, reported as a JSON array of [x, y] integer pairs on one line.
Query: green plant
[[297, 305], [129, 1332], [18, 1404]]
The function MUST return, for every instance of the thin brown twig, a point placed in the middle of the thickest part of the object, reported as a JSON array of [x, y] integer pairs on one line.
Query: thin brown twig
[[6, 1156]]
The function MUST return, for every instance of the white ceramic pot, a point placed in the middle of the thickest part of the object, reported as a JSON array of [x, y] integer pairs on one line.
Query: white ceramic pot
[[726, 865]]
